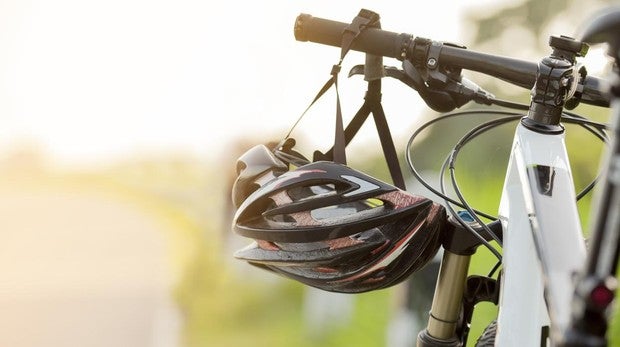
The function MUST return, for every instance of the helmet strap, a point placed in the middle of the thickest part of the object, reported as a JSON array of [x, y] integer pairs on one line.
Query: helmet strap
[[372, 102], [363, 20]]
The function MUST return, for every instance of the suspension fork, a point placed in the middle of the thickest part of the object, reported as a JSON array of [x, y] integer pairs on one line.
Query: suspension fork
[[456, 293], [447, 302]]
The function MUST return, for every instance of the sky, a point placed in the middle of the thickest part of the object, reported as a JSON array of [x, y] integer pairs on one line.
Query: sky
[[91, 81]]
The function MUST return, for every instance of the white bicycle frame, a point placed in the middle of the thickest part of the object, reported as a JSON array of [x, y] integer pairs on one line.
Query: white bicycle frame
[[543, 246]]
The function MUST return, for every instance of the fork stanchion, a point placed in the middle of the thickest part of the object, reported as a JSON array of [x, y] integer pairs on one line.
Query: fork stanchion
[[447, 302]]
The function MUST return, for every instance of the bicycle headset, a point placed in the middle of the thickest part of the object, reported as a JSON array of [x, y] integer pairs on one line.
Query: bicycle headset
[[328, 225]]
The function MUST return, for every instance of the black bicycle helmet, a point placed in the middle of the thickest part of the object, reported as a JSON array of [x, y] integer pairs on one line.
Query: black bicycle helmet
[[334, 228]]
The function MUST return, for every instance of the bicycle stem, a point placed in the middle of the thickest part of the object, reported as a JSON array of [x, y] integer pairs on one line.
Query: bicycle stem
[[556, 81]]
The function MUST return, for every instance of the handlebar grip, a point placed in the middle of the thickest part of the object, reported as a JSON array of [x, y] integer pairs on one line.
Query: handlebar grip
[[371, 40]]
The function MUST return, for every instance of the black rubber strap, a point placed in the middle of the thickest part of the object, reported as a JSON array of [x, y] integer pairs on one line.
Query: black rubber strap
[[387, 144], [363, 20], [322, 91], [339, 138], [351, 130], [372, 104]]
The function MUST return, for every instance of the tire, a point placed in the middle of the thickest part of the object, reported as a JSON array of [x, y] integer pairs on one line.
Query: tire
[[487, 339]]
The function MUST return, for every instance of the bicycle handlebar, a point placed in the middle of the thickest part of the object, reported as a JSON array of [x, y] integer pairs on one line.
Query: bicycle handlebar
[[402, 46]]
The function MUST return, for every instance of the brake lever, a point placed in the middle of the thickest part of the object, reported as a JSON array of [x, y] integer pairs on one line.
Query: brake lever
[[454, 94]]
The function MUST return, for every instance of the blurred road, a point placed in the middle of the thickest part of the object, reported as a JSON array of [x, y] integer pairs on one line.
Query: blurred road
[[82, 269]]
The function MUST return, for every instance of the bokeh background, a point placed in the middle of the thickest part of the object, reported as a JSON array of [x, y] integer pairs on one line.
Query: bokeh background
[[120, 123]]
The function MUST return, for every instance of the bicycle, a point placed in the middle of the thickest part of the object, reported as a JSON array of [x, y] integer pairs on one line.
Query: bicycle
[[550, 289]]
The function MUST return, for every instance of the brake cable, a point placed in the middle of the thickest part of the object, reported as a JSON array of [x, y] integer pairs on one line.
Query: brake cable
[[597, 129]]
